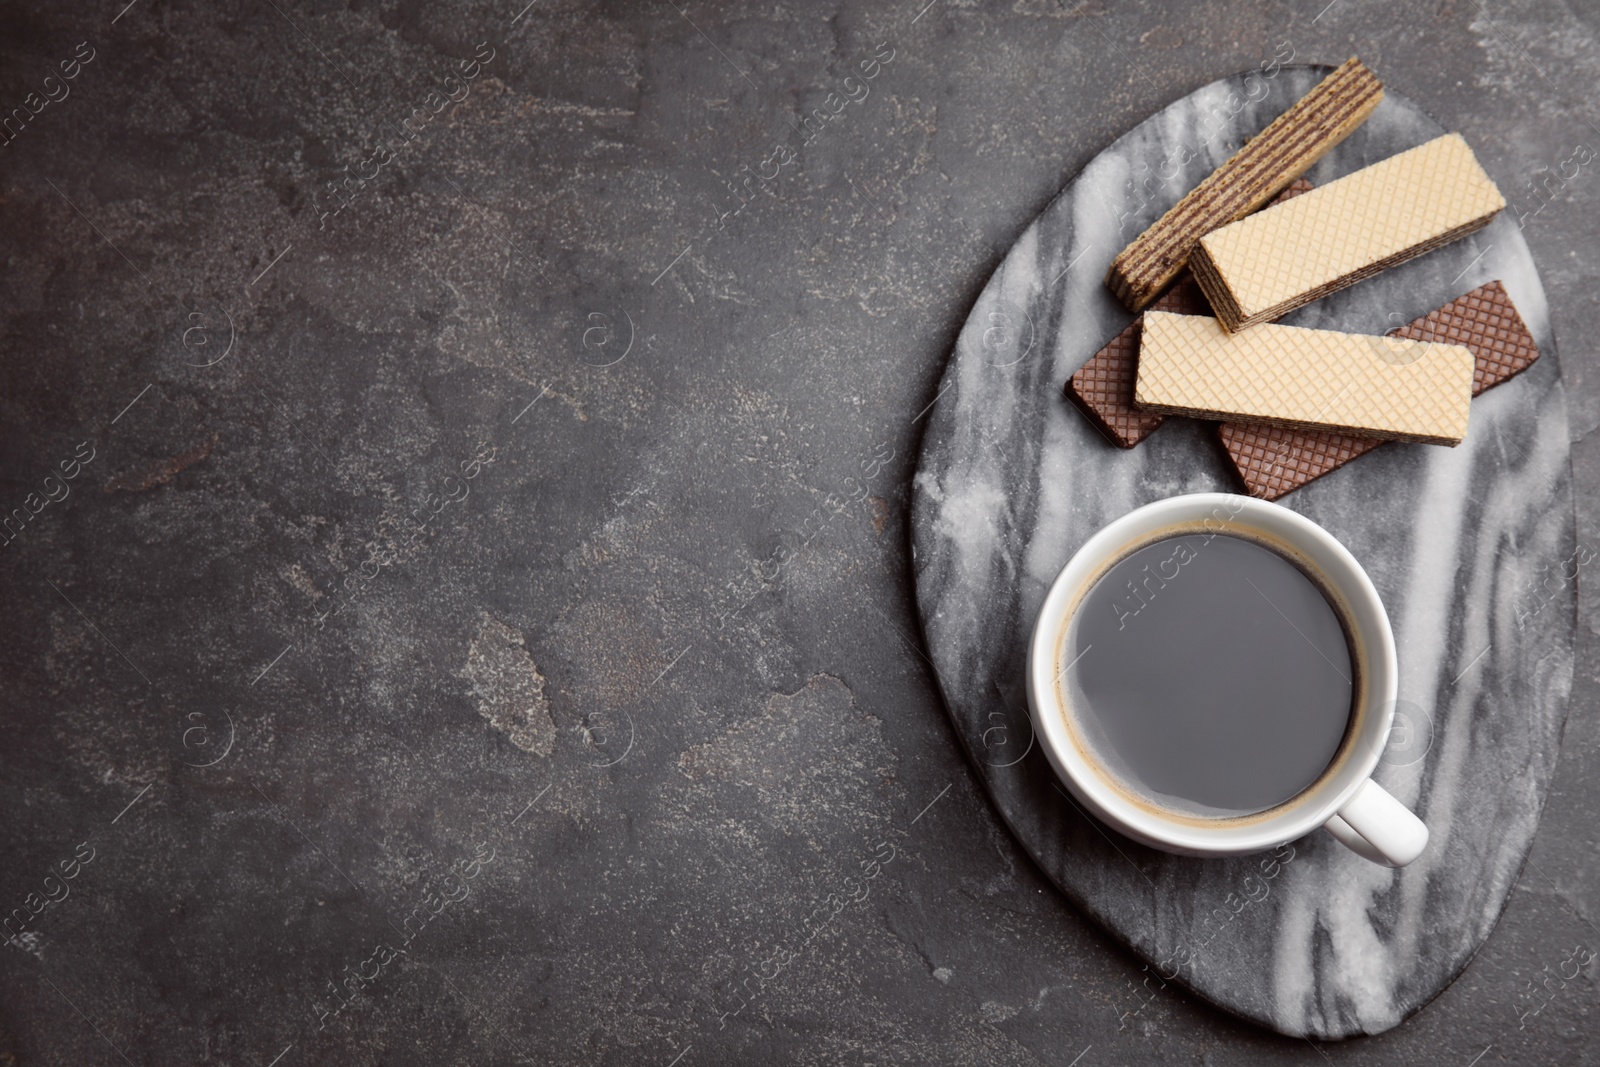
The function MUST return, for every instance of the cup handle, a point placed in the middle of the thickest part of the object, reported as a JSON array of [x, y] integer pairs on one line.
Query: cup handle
[[1377, 827]]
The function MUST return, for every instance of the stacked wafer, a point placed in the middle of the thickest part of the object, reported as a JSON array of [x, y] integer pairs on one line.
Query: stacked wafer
[[1274, 460], [1296, 403], [1103, 387], [1255, 174], [1262, 268]]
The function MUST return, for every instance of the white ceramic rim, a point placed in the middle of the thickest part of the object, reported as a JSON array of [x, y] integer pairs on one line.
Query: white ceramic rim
[[1373, 648]]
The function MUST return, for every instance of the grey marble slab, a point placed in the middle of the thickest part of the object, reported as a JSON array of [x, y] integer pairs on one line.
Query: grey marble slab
[[1471, 548]]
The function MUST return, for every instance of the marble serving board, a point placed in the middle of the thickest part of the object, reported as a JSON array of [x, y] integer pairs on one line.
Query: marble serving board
[[1470, 547]]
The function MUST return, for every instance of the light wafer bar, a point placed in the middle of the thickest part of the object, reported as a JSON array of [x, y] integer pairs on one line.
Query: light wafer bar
[[1103, 387], [1310, 379], [1273, 460], [1265, 266], [1253, 175]]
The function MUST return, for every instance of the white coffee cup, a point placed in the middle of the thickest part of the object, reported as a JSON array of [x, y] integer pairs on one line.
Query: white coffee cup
[[1344, 799]]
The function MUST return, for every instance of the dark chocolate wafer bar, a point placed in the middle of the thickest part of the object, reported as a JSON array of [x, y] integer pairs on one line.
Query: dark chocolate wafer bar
[[1273, 460], [1103, 387], [1256, 173]]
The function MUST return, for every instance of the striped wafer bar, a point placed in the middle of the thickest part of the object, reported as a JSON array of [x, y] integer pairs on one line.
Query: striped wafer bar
[[1273, 460], [1253, 175], [1263, 267], [1103, 387], [1311, 379]]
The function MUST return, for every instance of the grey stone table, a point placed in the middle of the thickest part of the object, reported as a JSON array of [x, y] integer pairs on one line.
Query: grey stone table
[[1471, 549], [462, 609]]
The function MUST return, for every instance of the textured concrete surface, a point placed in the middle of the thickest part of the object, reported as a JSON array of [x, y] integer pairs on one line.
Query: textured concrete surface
[[360, 712]]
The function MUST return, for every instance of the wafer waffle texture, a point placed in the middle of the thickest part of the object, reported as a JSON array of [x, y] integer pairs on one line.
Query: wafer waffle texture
[[1310, 379], [1273, 460], [1256, 173], [1265, 266], [1103, 387]]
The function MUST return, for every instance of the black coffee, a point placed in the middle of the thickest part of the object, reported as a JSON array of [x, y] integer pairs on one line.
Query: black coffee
[[1210, 674]]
